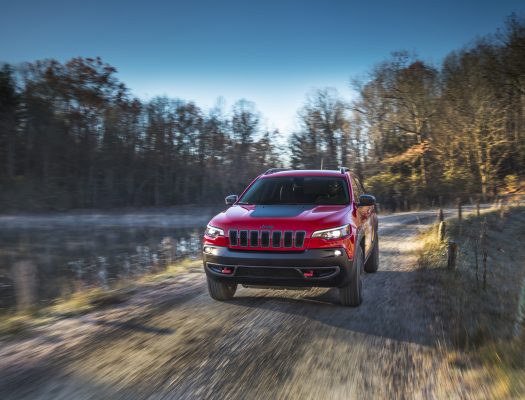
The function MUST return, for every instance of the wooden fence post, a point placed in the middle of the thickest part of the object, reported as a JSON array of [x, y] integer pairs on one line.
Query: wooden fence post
[[441, 231], [26, 284]]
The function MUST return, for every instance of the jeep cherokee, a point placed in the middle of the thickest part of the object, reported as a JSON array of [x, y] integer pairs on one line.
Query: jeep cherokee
[[293, 229]]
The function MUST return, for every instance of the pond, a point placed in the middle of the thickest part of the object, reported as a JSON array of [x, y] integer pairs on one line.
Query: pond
[[49, 256]]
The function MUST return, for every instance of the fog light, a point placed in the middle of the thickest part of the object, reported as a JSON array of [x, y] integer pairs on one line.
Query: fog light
[[337, 253], [208, 250]]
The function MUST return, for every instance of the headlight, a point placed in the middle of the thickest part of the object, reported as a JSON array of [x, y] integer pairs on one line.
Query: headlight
[[213, 232], [333, 233]]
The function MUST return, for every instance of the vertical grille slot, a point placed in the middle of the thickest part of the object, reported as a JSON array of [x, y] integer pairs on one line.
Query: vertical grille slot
[[254, 238], [233, 238], [288, 238], [243, 238], [276, 239], [265, 239], [299, 238]]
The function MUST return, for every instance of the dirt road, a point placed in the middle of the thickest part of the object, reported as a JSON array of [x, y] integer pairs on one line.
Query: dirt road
[[171, 341]]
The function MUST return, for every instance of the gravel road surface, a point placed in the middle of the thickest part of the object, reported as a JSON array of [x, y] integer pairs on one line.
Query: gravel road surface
[[172, 341]]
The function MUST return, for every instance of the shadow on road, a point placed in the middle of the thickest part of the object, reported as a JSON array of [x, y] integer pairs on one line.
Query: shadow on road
[[388, 311]]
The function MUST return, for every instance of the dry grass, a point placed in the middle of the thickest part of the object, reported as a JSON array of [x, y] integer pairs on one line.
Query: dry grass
[[480, 316], [433, 253], [78, 303], [495, 370], [172, 271], [86, 300], [15, 324]]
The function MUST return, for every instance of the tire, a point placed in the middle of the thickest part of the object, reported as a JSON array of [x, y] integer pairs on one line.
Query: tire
[[221, 291], [372, 264], [352, 293]]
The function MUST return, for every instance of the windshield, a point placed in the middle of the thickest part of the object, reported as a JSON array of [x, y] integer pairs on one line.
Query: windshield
[[297, 190]]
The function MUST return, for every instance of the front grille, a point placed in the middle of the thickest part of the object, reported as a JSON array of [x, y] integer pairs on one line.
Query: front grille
[[266, 239]]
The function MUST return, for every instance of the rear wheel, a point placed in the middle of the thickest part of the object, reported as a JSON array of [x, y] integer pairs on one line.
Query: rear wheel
[[372, 264], [221, 290], [352, 293]]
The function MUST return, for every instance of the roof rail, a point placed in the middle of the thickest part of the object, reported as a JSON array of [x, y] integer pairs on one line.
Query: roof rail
[[344, 170], [274, 170]]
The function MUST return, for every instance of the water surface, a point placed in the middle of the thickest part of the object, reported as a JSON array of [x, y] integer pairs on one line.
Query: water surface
[[48, 256]]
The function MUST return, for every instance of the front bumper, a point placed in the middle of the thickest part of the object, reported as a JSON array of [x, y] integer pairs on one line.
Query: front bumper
[[309, 268]]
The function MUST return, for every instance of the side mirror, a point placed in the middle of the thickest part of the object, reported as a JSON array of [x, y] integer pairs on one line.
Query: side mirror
[[231, 199], [366, 200]]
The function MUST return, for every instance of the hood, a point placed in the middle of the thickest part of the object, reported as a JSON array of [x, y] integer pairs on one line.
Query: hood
[[281, 217]]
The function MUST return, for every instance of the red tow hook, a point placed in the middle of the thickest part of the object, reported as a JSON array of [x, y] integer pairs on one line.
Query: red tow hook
[[226, 270], [308, 274]]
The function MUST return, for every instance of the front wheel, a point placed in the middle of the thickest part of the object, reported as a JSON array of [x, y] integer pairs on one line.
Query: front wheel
[[221, 290], [352, 293]]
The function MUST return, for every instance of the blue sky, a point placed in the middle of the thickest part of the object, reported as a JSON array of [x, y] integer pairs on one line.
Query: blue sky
[[270, 52]]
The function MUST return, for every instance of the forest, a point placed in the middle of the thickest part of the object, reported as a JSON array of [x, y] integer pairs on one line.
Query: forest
[[72, 136]]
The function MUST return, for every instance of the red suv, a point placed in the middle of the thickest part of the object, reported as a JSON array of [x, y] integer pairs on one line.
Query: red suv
[[294, 228]]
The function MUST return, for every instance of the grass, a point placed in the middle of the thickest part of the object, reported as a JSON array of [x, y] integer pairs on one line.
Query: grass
[[85, 301], [172, 271], [480, 311], [433, 252]]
